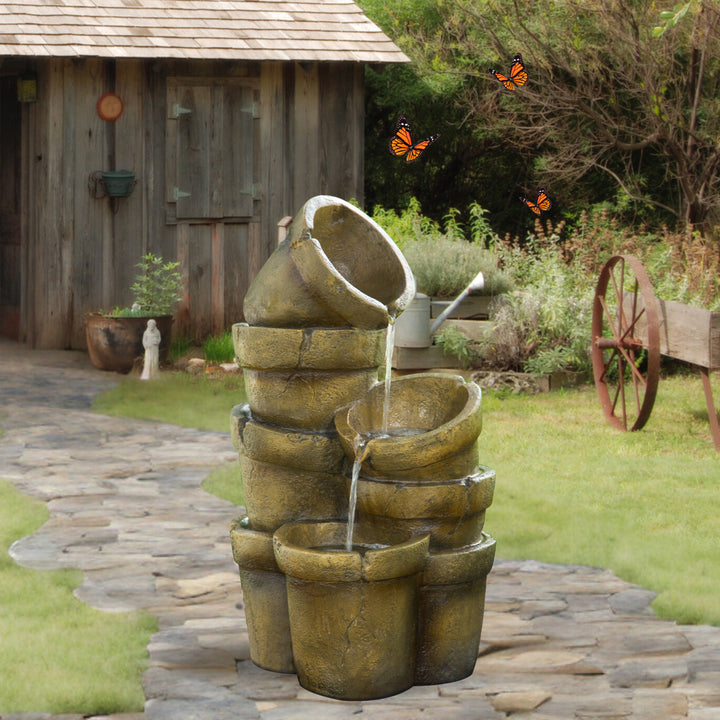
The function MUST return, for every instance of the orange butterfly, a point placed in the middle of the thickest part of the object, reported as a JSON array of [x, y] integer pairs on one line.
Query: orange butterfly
[[542, 203], [518, 75], [401, 142]]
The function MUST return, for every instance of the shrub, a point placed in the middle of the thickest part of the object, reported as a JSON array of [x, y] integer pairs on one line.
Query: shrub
[[453, 342], [219, 348], [443, 266], [444, 263]]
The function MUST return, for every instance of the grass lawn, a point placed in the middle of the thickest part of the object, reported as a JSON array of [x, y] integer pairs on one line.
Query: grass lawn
[[570, 488], [57, 654]]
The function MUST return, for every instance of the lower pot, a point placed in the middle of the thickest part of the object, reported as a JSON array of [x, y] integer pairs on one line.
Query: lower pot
[[452, 604], [264, 596], [353, 615]]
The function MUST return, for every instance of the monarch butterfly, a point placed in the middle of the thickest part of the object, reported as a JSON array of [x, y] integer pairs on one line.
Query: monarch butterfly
[[542, 203], [401, 142], [518, 74]]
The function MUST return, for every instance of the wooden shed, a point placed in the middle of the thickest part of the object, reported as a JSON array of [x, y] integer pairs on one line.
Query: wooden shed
[[231, 113]]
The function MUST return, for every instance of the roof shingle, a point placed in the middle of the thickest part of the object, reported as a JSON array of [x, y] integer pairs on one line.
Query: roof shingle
[[194, 29]]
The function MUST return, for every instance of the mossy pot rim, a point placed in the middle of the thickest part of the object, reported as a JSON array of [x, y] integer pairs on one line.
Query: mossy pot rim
[[307, 550]]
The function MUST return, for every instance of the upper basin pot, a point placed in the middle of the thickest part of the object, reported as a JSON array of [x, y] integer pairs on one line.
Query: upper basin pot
[[434, 421]]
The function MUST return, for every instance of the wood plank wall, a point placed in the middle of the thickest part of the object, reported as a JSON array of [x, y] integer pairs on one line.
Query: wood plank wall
[[79, 252]]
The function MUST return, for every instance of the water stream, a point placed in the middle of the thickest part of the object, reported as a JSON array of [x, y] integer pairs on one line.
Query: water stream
[[357, 464], [361, 441], [389, 344]]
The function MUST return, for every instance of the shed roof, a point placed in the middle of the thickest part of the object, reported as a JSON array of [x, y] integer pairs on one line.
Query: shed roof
[[197, 29]]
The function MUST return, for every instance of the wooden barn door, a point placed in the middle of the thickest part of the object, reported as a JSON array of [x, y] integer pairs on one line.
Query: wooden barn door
[[212, 195], [9, 208]]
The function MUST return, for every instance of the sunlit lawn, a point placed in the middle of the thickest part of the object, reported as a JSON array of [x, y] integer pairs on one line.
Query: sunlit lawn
[[570, 488], [56, 653]]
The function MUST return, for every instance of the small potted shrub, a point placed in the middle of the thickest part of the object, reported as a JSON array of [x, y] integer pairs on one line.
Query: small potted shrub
[[114, 337]]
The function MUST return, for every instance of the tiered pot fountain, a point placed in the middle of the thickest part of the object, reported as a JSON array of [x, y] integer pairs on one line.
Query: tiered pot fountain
[[364, 603]]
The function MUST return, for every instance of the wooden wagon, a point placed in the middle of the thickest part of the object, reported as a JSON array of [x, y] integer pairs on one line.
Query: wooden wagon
[[631, 329]]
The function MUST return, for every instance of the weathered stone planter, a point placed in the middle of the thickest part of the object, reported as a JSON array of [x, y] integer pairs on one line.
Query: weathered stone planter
[[452, 512], [288, 475], [265, 598], [353, 615], [452, 603], [335, 268], [297, 378], [404, 605], [434, 422]]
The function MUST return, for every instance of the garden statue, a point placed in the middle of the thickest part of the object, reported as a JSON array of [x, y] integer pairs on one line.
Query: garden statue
[[151, 343], [364, 609]]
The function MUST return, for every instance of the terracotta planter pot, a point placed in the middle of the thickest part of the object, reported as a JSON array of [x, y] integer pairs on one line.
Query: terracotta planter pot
[[353, 615], [452, 605], [265, 598], [288, 475], [444, 414], [335, 268], [115, 343], [297, 378], [452, 512]]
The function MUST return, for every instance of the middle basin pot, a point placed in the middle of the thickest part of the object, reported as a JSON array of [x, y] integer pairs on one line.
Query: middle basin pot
[[452, 512], [353, 615], [434, 422]]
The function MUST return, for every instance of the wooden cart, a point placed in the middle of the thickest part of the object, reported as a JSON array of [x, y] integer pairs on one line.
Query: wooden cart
[[631, 328]]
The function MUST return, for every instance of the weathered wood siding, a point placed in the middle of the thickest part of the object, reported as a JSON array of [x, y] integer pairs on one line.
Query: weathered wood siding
[[259, 140]]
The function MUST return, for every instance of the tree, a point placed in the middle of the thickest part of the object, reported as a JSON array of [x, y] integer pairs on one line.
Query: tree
[[608, 93]]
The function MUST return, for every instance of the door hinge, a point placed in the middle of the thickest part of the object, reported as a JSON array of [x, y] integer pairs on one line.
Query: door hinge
[[178, 110], [251, 109], [253, 190], [178, 194]]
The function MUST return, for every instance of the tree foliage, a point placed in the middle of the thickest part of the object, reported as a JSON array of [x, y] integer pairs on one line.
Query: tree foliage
[[623, 96]]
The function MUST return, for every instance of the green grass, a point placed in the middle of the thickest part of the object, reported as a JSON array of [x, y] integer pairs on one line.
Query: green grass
[[57, 654], [178, 398], [570, 488]]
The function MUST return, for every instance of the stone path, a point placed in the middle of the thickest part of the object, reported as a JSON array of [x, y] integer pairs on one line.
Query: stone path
[[126, 507]]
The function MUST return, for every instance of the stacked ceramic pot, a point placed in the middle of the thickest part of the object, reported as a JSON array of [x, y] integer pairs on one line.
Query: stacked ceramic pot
[[317, 315], [399, 600]]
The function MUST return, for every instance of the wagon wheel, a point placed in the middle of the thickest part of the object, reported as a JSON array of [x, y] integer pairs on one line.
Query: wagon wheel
[[626, 342]]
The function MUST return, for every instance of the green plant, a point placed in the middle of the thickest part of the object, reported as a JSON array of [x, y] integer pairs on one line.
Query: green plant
[[122, 312], [157, 286], [453, 342], [514, 335], [219, 348]]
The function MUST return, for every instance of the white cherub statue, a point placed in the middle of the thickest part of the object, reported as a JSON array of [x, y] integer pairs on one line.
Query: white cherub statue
[[151, 343]]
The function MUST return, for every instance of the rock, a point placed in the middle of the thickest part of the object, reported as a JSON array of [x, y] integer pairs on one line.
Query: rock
[[519, 701]]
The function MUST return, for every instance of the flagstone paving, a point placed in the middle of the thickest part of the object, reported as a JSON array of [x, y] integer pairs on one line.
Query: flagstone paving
[[127, 508]]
